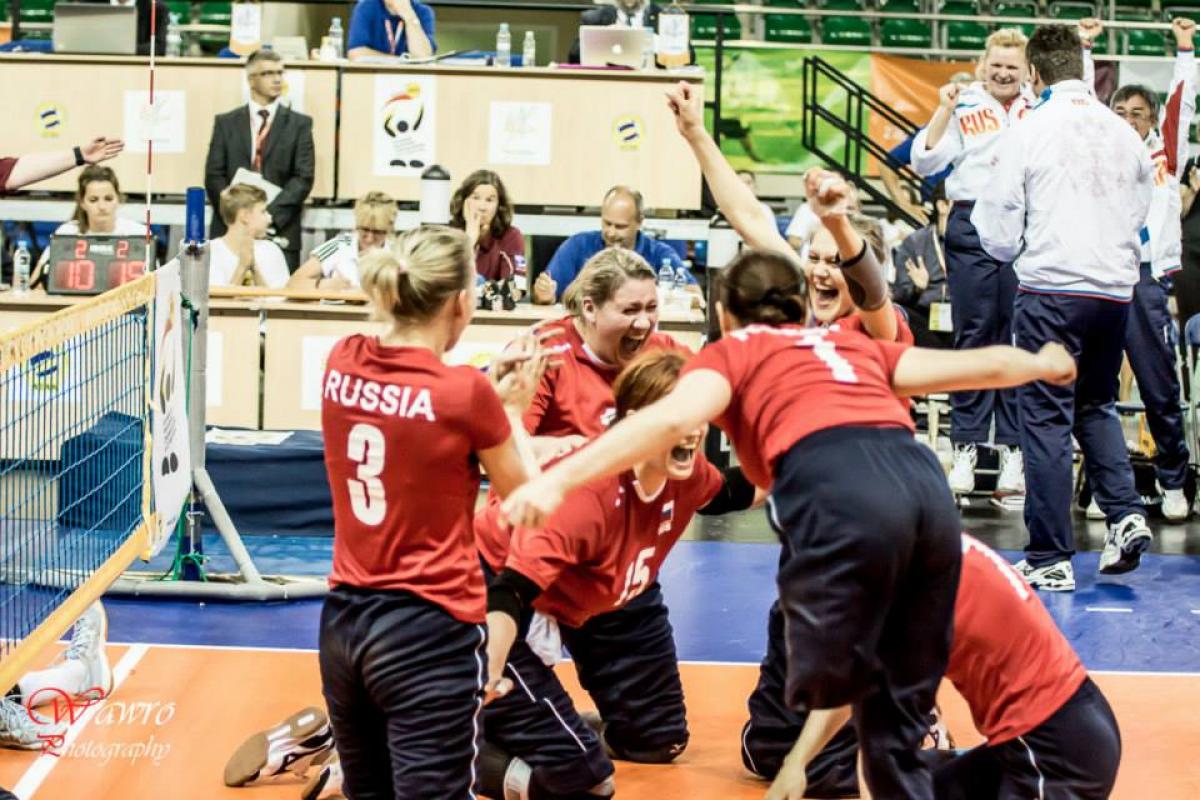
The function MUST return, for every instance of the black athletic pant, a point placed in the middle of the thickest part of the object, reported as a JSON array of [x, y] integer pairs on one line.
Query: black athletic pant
[[1074, 755], [403, 683], [626, 661], [873, 553]]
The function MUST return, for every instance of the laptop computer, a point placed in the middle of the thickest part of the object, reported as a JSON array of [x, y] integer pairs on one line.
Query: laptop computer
[[94, 29], [604, 46]]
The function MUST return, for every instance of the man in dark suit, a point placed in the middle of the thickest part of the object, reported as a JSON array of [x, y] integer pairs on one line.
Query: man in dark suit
[[269, 138], [625, 14]]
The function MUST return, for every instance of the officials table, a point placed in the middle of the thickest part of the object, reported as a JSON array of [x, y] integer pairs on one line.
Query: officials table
[[266, 357]]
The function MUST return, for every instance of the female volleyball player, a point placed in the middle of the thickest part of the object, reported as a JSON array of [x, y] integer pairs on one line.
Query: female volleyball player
[[402, 636], [599, 552], [870, 530], [1050, 731]]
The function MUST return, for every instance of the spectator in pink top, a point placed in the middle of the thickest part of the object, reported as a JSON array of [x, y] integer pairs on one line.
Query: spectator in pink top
[[481, 207]]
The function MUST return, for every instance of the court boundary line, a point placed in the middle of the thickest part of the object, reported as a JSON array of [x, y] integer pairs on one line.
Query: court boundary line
[[37, 772], [698, 662]]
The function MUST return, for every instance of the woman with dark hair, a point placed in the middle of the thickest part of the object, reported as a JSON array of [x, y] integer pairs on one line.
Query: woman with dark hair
[[482, 209], [870, 531]]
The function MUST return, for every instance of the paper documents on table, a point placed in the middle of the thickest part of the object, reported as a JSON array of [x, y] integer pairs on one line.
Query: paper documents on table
[[253, 178]]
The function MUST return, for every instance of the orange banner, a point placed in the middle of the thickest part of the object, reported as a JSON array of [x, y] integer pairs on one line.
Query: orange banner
[[910, 86]]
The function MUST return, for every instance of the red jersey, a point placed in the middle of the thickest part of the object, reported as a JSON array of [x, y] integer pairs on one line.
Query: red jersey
[[789, 382], [854, 322], [576, 397], [1008, 659], [401, 432], [603, 546]]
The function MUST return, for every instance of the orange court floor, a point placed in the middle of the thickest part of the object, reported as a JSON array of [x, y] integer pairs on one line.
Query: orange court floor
[[178, 712]]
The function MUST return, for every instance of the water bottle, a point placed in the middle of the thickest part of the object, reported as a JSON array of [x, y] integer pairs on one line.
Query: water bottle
[[529, 51], [337, 39], [666, 281], [503, 46], [174, 39], [681, 283], [21, 262]]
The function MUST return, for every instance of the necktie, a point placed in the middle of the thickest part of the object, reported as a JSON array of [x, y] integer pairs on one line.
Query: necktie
[[261, 139]]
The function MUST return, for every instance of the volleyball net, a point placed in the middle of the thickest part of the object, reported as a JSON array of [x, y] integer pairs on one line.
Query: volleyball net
[[75, 472]]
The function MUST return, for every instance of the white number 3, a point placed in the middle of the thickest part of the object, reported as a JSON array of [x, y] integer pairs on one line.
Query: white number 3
[[365, 448]]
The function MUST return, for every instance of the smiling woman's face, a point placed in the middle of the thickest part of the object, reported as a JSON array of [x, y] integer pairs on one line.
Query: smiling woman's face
[[828, 297]]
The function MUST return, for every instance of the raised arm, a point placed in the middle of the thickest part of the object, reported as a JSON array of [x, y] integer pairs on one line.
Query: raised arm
[[921, 371], [735, 198], [1180, 108], [937, 144], [39, 166], [698, 398], [1090, 29]]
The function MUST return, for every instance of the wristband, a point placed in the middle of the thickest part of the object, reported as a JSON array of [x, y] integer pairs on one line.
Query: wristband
[[79, 160]]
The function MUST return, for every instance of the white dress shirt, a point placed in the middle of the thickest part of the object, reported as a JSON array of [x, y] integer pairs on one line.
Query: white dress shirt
[[970, 140], [1068, 195]]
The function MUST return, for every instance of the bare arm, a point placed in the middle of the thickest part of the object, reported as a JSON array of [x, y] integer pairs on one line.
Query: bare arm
[[736, 199], [697, 398], [39, 166], [306, 276], [419, 45], [819, 729], [921, 370]]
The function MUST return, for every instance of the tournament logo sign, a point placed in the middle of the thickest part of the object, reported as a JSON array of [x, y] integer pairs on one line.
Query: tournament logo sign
[[628, 132], [50, 120], [47, 370], [404, 124]]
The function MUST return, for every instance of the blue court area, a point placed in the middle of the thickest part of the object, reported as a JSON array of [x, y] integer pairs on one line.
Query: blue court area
[[718, 593]]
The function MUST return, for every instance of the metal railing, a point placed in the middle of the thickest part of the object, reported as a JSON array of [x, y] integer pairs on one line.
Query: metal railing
[[857, 146]]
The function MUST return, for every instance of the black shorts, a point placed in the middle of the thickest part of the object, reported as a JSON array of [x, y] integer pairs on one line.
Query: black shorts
[[1074, 755], [403, 682], [867, 584]]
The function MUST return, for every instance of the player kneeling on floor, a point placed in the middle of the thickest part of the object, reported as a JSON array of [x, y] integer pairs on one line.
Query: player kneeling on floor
[[1050, 732], [599, 553]]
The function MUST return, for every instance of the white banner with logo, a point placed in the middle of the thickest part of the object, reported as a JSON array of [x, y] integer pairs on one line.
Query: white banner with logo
[[171, 460]]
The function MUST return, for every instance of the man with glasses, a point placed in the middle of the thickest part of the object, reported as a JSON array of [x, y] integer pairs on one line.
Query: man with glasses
[[334, 264], [267, 137]]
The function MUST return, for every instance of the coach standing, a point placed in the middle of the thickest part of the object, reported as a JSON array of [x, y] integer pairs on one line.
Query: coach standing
[[964, 133], [1069, 195], [267, 137]]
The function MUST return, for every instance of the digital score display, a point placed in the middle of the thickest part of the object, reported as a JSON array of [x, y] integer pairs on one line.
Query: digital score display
[[89, 265]]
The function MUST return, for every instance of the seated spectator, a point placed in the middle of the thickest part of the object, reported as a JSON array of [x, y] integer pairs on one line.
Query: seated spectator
[[920, 266], [389, 28], [625, 14], [621, 217], [244, 254], [97, 200], [334, 264], [481, 207]]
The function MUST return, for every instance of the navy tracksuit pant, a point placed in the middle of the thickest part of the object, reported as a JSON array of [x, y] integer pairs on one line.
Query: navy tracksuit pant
[[1150, 345], [1093, 330], [981, 296]]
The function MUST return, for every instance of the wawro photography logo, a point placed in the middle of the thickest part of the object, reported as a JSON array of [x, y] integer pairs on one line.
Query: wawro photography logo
[[60, 710]]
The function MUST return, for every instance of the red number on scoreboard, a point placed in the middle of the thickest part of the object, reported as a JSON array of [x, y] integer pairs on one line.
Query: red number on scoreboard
[[80, 274], [122, 248], [120, 272], [81, 248]]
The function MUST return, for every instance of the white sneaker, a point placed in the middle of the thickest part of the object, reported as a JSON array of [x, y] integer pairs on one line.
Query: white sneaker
[[1056, 577], [293, 745], [326, 782], [1012, 471], [962, 471], [1093, 510], [20, 729], [1124, 545], [88, 638], [1174, 504]]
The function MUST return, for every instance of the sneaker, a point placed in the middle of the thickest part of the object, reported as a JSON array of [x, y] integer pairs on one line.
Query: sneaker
[[1012, 471], [88, 638], [25, 731], [1174, 504], [1056, 577], [962, 470], [1093, 510], [326, 782], [1124, 545], [290, 746]]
